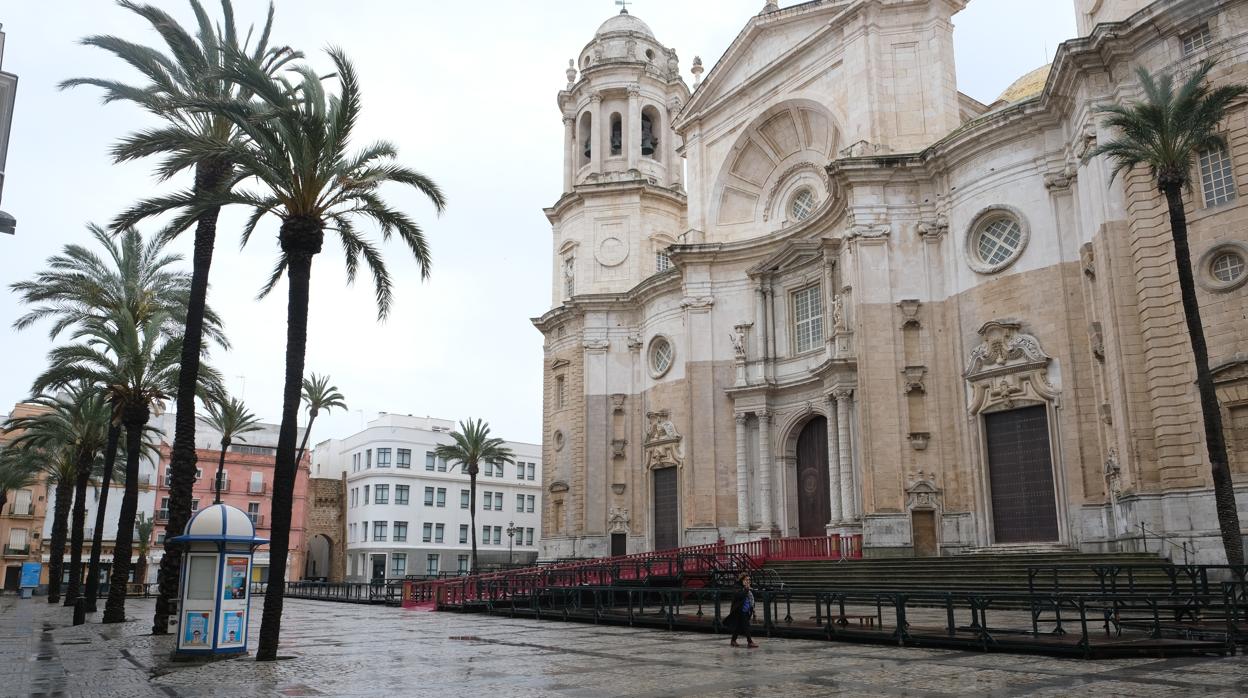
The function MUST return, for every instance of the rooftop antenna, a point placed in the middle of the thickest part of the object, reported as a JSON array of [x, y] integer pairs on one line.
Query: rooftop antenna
[[623, 6]]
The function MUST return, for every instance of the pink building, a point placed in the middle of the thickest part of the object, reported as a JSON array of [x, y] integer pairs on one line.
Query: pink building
[[248, 485]]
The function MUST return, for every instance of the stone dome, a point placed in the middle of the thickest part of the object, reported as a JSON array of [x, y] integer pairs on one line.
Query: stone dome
[[1028, 86], [624, 22]]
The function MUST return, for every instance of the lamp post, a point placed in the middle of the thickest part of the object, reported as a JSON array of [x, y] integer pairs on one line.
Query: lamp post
[[511, 532]]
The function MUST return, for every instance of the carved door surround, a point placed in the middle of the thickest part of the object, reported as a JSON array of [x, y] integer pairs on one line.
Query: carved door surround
[[1008, 370], [925, 503]]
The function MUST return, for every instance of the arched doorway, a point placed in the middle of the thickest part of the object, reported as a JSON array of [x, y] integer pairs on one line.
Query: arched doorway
[[320, 555], [814, 506]]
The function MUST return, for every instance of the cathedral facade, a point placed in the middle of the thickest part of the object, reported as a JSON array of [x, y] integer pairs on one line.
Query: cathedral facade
[[819, 291]]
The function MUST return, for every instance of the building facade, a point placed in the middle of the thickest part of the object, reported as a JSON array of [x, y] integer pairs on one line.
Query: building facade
[[877, 306], [407, 511], [247, 485], [22, 518]]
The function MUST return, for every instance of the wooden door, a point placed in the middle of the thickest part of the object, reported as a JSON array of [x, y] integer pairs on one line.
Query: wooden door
[[923, 531], [1020, 474], [619, 544], [814, 505], [666, 509], [12, 578]]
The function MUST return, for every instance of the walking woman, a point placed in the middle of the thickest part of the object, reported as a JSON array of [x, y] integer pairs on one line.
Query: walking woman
[[738, 619]]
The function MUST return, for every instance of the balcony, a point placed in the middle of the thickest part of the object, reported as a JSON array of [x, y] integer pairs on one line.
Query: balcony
[[22, 510], [162, 514], [10, 551], [255, 488], [257, 520], [225, 485]]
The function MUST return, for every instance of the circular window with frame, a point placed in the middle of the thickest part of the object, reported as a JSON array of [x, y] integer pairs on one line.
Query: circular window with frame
[[661, 356], [802, 205], [996, 239], [1223, 267]]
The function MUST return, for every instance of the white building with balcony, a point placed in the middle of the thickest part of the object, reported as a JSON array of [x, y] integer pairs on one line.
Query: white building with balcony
[[407, 511]]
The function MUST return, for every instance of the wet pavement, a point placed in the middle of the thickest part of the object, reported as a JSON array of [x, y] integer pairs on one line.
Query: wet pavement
[[352, 650]]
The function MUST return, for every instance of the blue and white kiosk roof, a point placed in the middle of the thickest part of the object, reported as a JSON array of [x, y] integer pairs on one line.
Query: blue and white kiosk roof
[[220, 523]]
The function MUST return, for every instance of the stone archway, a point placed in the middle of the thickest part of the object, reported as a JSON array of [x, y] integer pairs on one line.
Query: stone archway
[[319, 560], [326, 529]]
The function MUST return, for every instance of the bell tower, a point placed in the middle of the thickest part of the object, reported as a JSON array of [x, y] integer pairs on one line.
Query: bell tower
[[623, 196]]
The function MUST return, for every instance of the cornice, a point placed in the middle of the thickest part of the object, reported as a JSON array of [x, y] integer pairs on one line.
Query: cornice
[[657, 284], [581, 191], [760, 248]]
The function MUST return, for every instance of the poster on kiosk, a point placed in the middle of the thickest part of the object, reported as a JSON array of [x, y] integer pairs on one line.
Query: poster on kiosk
[[216, 595]]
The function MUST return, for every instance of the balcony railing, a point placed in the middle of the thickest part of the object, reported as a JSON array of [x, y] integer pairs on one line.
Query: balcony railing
[[10, 551], [27, 510], [255, 488], [256, 519], [162, 514], [225, 485]]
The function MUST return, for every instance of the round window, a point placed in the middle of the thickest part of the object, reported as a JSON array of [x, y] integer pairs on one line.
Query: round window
[[802, 205], [996, 240], [1227, 267], [661, 356]]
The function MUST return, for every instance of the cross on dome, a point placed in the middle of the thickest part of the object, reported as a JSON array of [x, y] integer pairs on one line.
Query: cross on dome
[[623, 6]]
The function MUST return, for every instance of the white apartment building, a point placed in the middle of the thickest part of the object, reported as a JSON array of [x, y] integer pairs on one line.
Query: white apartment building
[[407, 511]]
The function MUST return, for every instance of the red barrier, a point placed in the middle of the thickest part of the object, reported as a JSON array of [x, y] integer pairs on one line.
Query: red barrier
[[638, 566]]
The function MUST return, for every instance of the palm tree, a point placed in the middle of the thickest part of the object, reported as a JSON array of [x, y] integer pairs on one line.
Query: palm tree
[[231, 418], [319, 395], [72, 429], [143, 536], [191, 70], [472, 446], [1165, 132], [297, 150], [139, 365], [101, 510]]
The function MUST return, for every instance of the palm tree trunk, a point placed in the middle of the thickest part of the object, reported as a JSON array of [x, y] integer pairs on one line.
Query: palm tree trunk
[[216, 484], [60, 526], [115, 607], [306, 433], [209, 176], [472, 515], [82, 479], [298, 246], [97, 536], [1215, 440]]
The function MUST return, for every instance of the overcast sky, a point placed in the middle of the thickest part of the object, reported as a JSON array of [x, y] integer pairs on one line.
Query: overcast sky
[[467, 91]]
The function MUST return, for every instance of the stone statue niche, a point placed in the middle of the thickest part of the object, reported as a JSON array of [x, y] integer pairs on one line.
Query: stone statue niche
[[663, 442]]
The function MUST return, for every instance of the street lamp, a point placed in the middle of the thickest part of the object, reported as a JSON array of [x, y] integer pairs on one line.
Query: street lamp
[[511, 532]]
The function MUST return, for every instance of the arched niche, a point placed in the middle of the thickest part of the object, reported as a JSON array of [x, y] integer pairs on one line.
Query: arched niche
[[777, 160]]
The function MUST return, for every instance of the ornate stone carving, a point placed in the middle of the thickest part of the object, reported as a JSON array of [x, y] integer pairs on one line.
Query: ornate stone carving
[[1060, 180], [558, 486], [697, 71], [1096, 338], [786, 177], [909, 311], [914, 379], [596, 344], [1007, 367], [934, 229], [1086, 141], [923, 492], [1106, 412], [571, 73], [618, 520], [740, 339], [919, 440], [698, 302], [839, 322], [617, 402], [663, 442], [870, 232], [634, 341], [617, 447], [1087, 258], [1113, 473]]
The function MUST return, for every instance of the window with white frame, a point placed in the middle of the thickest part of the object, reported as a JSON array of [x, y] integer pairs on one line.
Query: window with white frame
[[428, 496], [498, 535], [519, 470], [489, 469], [463, 564], [355, 462], [439, 533], [368, 458], [1196, 39], [519, 502], [364, 531], [441, 464], [561, 393], [381, 494], [430, 459], [463, 533], [366, 493], [431, 564], [1217, 180], [807, 318], [379, 530], [485, 535], [398, 564], [464, 501], [404, 458], [531, 500], [528, 536], [532, 469], [400, 531], [383, 458], [441, 497], [488, 504], [426, 533], [662, 262], [402, 493]]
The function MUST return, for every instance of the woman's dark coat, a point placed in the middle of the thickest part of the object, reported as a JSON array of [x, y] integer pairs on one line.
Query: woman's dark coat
[[735, 618]]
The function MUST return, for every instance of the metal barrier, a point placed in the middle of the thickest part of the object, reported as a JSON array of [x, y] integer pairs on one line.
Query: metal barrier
[[389, 592]]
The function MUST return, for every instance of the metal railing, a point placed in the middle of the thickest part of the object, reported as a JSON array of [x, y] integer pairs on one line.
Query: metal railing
[[255, 488], [162, 514], [28, 510], [256, 519], [389, 591], [11, 551], [1144, 531]]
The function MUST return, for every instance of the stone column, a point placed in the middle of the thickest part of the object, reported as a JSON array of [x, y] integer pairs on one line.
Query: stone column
[[834, 463], [743, 477], [764, 469], [596, 131], [760, 322], [842, 396], [569, 156], [675, 177], [632, 127]]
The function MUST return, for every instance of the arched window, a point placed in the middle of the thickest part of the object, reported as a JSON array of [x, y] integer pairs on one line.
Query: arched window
[[587, 137], [617, 134], [650, 128]]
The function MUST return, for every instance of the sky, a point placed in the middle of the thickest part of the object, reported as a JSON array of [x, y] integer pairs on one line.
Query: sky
[[467, 92]]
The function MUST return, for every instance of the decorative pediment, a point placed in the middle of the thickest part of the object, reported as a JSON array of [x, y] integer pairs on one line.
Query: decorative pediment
[[923, 492], [618, 520], [559, 363], [1008, 369], [795, 254], [1232, 371], [663, 442], [558, 486]]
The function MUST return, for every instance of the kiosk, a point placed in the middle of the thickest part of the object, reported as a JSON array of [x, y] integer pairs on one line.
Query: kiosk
[[215, 598]]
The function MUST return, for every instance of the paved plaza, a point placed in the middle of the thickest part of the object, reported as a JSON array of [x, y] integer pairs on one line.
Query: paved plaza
[[349, 650]]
